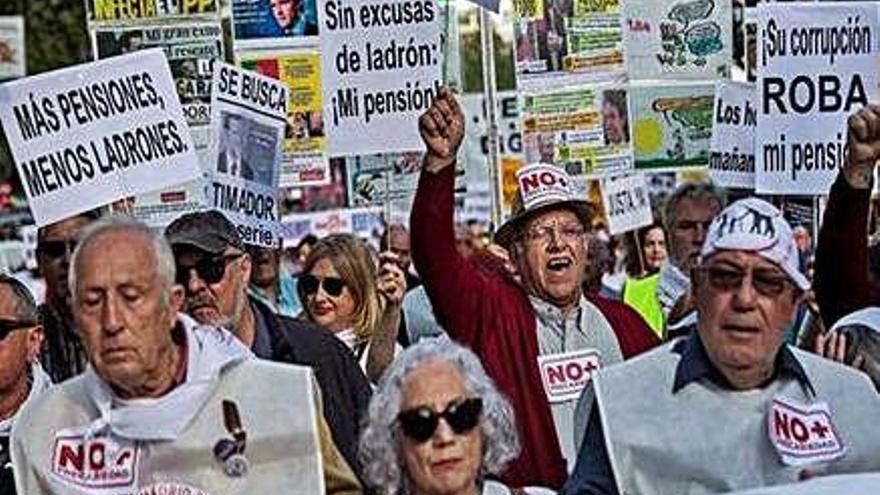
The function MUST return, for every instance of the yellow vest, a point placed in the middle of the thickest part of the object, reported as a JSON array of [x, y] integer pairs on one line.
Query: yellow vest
[[641, 295]]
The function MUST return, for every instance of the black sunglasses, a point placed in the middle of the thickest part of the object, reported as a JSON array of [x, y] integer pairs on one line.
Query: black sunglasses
[[420, 423], [332, 285], [211, 270], [56, 249], [9, 326]]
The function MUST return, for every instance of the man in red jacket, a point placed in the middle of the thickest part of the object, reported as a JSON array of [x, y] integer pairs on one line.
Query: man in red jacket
[[540, 339]]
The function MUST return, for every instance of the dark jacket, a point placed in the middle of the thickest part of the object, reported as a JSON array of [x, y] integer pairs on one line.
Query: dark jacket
[[7, 481], [345, 389], [841, 279], [487, 311]]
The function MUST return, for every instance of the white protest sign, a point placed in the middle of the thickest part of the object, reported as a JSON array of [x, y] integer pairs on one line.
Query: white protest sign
[[380, 69], [732, 149], [627, 202], [88, 135], [248, 113], [817, 64]]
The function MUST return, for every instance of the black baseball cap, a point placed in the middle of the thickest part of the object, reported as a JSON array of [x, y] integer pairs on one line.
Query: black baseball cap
[[209, 231]]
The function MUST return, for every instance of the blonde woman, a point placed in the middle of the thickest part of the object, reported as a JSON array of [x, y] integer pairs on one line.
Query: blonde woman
[[342, 290]]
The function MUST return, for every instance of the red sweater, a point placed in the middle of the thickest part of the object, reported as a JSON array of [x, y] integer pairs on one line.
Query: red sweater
[[491, 314], [841, 278]]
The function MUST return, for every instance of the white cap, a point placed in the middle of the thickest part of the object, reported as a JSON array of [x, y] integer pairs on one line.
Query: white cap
[[755, 226], [541, 186]]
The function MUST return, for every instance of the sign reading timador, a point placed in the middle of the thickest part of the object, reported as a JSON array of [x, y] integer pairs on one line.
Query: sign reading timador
[[88, 135], [817, 64]]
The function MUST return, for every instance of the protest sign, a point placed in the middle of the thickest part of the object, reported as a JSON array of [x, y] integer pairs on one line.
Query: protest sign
[[817, 65], [682, 39], [583, 130], [672, 125], [248, 115], [305, 160], [362, 222], [626, 202], [281, 23], [560, 42], [190, 49], [380, 69], [732, 150], [85, 136], [475, 150], [122, 11], [12, 54]]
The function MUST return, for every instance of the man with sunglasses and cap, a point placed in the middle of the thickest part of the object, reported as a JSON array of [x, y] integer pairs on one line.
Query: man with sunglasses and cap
[[167, 405], [63, 355], [541, 339], [214, 268], [730, 406], [21, 376]]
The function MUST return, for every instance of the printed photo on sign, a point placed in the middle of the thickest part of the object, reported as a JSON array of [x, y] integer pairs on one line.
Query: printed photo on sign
[[305, 159], [583, 130], [683, 39], [672, 125], [560, 41], [190, 50], [249, 113], [12, 52], [274, 19], [247, 149], [74, 157]]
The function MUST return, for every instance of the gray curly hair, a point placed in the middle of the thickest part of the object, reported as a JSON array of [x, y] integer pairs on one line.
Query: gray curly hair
[[379, 448]]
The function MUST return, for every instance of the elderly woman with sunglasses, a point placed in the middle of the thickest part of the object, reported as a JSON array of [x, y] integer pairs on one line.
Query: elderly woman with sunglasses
[[342, 290], [437, 425]]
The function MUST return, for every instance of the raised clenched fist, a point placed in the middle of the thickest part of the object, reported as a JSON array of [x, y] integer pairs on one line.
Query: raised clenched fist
[[442, 128], [863, 138]]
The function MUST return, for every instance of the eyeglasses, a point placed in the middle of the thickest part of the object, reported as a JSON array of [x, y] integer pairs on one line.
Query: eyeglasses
[[766, 282], [8, 326], [56, 249], [332, 285], [211, 270], [420, 423], [544, 233]]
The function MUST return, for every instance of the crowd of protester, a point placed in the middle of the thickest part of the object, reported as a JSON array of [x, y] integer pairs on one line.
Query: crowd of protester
[[712, 350]]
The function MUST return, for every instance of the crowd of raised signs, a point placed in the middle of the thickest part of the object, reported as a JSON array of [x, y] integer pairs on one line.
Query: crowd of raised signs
[[685, 340]]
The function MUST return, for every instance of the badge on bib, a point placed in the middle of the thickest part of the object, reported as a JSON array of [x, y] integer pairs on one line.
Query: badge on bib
[[803, 434], [101, 463], [566, 374]]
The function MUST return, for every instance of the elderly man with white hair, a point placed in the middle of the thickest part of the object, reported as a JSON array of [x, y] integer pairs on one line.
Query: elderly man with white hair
[[730, 407], [167, 406]]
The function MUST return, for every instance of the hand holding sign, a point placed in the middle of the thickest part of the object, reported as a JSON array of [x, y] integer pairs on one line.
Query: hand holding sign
[[442, 128], [863, 136]]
